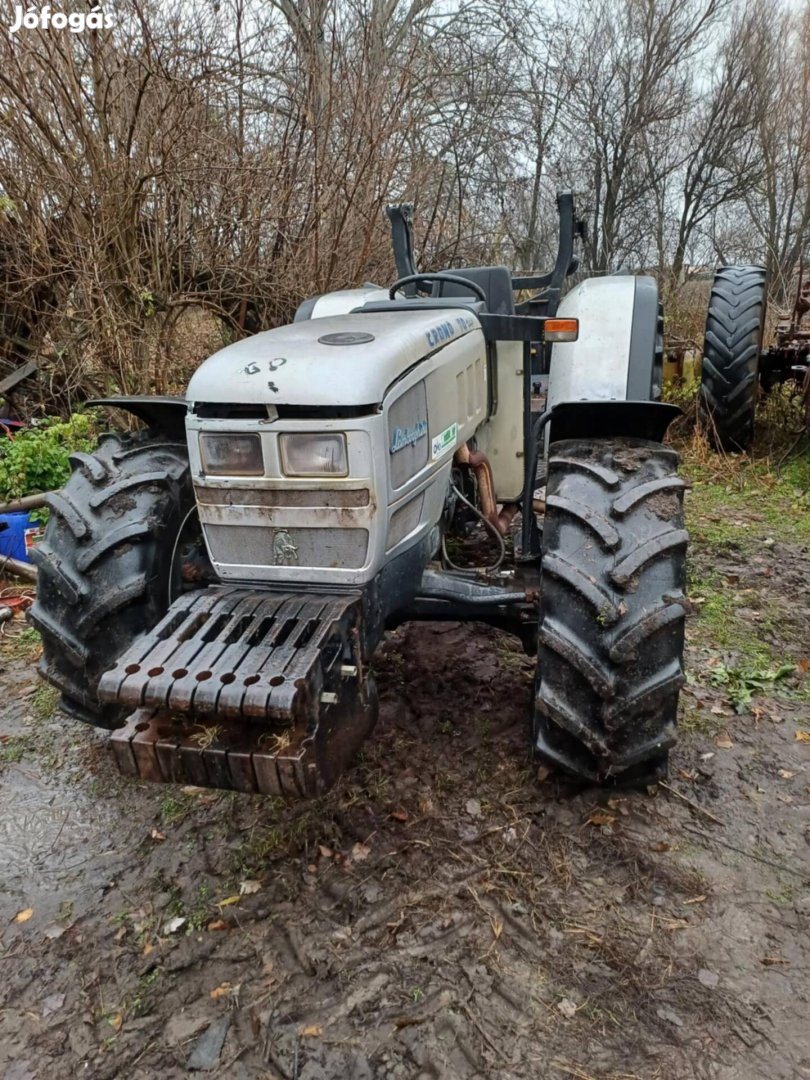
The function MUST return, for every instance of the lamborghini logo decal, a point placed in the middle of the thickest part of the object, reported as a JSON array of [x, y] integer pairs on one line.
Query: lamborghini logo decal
[[285, 553]]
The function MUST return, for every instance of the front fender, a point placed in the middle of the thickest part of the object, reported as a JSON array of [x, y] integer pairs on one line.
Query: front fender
[[164, 415], [611, 419]]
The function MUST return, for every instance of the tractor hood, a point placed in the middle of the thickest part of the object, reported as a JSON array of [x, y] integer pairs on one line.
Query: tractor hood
[[341, 360]]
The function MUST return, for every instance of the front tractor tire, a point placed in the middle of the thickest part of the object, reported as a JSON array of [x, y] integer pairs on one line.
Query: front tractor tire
[[108, 564], [611, 633], [729, 374]]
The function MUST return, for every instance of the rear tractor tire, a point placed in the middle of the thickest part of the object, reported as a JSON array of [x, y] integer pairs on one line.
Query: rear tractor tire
[[729, 376], [611, 633], [110, 563]]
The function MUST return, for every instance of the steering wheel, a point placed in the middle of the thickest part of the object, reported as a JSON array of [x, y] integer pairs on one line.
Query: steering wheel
[[411, 279]]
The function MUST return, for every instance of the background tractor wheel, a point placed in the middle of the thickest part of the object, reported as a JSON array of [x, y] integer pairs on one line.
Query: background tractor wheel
[[109, 563], [612, 610], [730, 369]]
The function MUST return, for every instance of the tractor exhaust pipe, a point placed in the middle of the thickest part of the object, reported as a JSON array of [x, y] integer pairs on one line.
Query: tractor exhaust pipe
[[479, 463]]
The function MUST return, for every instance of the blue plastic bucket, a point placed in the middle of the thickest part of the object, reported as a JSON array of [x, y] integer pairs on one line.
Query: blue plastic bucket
[[20, 536]]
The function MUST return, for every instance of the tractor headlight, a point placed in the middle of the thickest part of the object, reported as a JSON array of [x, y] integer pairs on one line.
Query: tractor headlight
[[232, 455], [314, 455]]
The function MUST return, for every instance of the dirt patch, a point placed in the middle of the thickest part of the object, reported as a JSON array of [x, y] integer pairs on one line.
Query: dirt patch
[[630, 458], [444, 912], [664, 506]]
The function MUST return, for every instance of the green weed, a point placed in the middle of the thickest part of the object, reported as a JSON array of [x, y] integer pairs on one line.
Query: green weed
[[201, 911], [741, 684], [743, 501], [718, 624], [293, 833], [511, 655], [45, 702], [784, 896], [25, 645], [143, 998], [175, 809], [14, 749], [37, 458], [696, 721]]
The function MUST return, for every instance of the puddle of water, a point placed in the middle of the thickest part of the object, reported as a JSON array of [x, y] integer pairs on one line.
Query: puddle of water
[[42, 831], [56, 844]]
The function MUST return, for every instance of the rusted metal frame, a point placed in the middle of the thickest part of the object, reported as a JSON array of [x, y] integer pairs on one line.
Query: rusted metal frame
[[156, 745], [305, 670], [26, 503], [18, 568], [152, 746], [241, 679]]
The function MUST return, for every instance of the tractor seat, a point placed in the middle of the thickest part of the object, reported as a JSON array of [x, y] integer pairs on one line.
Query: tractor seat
[[496, 281]]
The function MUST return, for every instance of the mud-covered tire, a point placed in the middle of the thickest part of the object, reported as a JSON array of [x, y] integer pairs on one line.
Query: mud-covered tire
[[730, 369], [611, 631], [105, 563]]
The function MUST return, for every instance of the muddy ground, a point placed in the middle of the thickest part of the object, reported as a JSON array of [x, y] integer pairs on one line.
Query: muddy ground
[[445, 912]]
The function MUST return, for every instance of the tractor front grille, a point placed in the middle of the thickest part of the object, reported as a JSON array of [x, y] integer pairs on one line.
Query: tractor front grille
[[287, 526], [263, 545]]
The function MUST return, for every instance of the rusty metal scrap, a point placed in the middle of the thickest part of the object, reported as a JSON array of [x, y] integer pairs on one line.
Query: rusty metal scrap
[[788, 358], [154, 745]]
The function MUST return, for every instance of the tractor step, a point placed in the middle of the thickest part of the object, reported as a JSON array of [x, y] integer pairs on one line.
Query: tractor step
[[245, 689]]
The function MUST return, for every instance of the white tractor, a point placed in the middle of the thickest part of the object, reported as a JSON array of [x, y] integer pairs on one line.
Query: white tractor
[[213, 587]]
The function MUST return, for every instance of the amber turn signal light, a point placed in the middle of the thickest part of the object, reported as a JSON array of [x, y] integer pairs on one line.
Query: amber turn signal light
[[561, 329]]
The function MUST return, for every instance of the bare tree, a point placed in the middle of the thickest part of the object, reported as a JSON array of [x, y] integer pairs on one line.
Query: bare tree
[[633, 84], [211, 166], [720, 159], [780, 204]]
